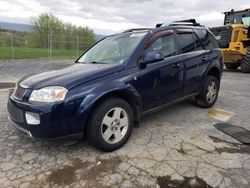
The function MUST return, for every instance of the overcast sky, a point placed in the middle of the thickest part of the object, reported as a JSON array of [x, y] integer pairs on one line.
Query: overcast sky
[[110, 16]]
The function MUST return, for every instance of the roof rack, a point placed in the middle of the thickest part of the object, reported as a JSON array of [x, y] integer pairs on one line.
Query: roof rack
[[159, 24], [193, 21], [188, 22], [136, 29]]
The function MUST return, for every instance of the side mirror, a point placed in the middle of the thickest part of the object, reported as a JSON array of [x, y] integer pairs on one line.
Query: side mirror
[[151, 57]]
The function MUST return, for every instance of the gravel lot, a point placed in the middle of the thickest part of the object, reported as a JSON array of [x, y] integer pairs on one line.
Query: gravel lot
[[176, 147], [14, 70]]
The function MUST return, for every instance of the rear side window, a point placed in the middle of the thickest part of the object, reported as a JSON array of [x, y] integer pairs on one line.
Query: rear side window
[[189, 42], [207, 39], [198, 45], [164, 44]]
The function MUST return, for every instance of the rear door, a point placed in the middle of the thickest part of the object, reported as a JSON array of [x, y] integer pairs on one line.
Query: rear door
[[214, 54], [194, 56], [162, 81]]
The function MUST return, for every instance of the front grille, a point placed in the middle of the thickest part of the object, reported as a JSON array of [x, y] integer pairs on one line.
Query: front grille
[[19, 92], [15, 113], [222, 35]]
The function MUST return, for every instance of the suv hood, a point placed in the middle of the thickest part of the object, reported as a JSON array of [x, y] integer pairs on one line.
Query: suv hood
[[71, 76]]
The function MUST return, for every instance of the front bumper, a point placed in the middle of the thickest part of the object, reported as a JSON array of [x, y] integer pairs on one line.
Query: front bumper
[[22, 130], [51, 124]]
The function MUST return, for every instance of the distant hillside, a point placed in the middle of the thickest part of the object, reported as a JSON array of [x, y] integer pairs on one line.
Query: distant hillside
[[16, 26], [28, 28]]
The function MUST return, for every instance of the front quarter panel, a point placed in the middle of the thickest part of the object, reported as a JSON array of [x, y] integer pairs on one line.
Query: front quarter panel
[[82, 99]]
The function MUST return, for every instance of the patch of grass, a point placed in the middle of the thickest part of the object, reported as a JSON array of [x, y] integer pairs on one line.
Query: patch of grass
[[36, 53]]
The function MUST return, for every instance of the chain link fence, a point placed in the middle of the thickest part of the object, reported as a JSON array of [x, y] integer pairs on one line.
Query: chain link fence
[[16, 46]]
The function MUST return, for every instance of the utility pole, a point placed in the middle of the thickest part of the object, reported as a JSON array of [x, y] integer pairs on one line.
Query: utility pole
[[48, 45], [50, 52], [77, 45], [12, 46]]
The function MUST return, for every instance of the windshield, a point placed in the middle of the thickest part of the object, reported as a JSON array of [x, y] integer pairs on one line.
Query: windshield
[[114, 49], [238, 18]]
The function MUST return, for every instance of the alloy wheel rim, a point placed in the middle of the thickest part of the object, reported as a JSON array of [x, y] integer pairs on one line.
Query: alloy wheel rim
[[114, 125], [212, 92]]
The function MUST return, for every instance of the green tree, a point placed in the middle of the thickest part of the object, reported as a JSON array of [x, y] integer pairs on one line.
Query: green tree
[[86, 37], [70, 36], [66, 36], [9, 38], [46, 25]]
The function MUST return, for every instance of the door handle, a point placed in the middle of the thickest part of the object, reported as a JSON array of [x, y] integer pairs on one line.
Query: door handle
[[204, 58], [177, 65]]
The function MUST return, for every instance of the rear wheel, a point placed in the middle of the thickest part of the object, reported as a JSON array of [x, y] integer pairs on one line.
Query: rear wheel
[[209, 93], [245, 64], [231, 66], [110, 124]]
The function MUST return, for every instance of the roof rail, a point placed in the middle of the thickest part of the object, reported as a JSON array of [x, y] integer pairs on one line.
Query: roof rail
[[136, 29]]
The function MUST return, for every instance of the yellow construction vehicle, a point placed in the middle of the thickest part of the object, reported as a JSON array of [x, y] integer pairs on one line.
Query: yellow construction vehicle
[[234, 39]]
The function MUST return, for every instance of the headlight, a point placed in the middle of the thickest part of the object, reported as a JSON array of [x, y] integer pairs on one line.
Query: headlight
[[48, 94]]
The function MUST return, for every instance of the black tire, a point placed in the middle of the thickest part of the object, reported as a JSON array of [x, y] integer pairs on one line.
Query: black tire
[[95, 124], [202, 99], [231, 66], [245, 64]]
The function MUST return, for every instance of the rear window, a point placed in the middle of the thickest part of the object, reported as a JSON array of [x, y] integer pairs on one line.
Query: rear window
[[207, 39], [213, 41]]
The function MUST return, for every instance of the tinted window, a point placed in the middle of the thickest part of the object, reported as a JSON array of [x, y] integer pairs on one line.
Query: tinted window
[[198, 45], [213, 41], [207, 39], [186, 41], [165, 45]]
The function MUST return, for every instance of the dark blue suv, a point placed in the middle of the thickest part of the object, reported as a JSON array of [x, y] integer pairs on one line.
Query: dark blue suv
[[122, 77]]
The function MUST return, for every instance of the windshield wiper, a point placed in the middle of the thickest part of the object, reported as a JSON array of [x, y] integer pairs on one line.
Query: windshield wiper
[[92, 62], [96, 62]]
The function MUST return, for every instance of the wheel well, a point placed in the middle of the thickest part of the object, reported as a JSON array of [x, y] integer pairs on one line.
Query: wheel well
[[214, 72], [123, 95]]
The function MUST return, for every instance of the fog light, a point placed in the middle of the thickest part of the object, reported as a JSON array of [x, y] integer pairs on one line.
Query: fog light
[[32, 118]]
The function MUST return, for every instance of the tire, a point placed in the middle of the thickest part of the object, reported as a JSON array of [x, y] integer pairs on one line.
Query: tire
[[110, 124], [208, 96], [231, 66], [245, 64]]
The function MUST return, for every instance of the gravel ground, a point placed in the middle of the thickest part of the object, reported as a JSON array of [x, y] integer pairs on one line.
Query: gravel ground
[[177, 147], [14, 70]]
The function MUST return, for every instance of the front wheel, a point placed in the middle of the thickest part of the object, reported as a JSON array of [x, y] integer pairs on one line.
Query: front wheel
[[209, 93], [245, 64], [110, 124]]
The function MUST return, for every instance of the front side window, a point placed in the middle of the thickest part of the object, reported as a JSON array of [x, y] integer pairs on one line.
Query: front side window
[[114, 49], [164, 44]]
